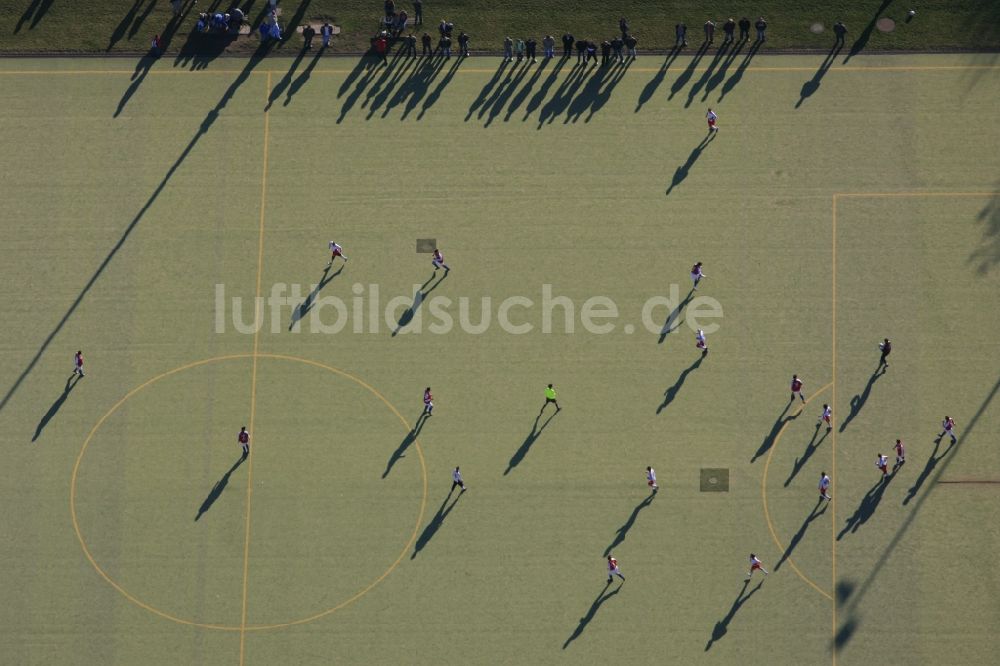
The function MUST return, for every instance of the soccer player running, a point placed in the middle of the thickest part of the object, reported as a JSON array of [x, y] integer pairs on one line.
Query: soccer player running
[[78, 363], [438, 261], [651, 479], [797, 389], [428, 402], [948, 428], [243, 439], [712, 119], [613, 569], [882, 462], [336, 251], [824, 486], [696, 275], [885, 347], [550, 396], [456, 480], [900, 453], [826, 417], [700, 342], [755, 565]]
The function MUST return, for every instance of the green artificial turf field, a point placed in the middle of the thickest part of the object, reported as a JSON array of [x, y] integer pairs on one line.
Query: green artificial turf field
[[146, 208]]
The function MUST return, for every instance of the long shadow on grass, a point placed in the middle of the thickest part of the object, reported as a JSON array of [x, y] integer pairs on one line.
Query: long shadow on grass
[[217, 489], [722, 626], [299, 313], [859, 400], [428, 71], [811, 448], [303, 78], [564, 94], [737, 76], [810, 87], [685, 76], [206, 125], [813, 515], [654, 83], [504, 93], [846, 630], [147, 61], [671, 393], [866, 34], [543, 92], [603, 95], [119, 32], [294, 20], [705, 77], [487, 89], [928, 469], [34, 13], [436, 522], [669, 325], [683, 170], [779, 423], [526, 445], [720, 74], [525, 90], [988, 255], [73, 380], [436, 93], [401, 74], [624, 529], [866, 509], [418, 299], [592, 612], [408, 441], [285, 80]]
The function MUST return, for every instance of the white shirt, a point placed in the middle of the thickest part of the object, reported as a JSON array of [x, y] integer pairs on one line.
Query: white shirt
[[456, 476], [711, 115], [651, 475], [334, 247], [824, 483], [827, 412], [701, 336], [882, 461]]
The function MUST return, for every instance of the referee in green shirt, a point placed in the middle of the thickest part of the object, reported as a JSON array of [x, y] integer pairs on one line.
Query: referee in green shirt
[[550, 396]]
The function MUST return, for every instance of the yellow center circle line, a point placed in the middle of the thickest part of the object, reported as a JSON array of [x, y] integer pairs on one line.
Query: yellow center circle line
[[256, 627], [767, 513]]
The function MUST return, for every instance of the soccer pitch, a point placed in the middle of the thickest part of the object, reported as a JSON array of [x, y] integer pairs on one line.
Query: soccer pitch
[[173, 225]]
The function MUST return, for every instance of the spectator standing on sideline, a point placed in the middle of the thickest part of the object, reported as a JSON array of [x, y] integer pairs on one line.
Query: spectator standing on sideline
[[463, 43], [418, 12], [425, 43], [532, 47], [728, 28], [326, 32], [744, 29], [681, 31], [381, 48], [840, 30], [630, 43], [549, 46], [308, 33], [623, 26], [581, 50], [567, 40], [156, 47], [591, 52], [761, 26], [616, 49], [709, 31], [519, 49], [508, 49], [605, 52], [411, 45], [445, 46], [390, 7]]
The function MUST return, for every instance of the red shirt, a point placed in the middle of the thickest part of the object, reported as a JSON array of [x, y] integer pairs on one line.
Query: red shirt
[[796, 385], [79, 360], [612, 564], [244, 437], [427, 397]]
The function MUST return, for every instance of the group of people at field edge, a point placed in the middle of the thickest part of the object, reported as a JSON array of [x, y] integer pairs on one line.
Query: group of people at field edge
[[728, 30], [219, 23]]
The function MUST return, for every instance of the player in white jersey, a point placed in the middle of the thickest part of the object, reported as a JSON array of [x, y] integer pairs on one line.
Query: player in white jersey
[[712, 118], [700, 342], [826, 417], [755, 565], [824, 486], [336, 251], [613, 569], [651, 479], [882, 462], [948, 428], [456, 480]]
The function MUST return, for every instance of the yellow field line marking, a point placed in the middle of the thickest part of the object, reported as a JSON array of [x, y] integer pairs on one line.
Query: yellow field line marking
[[767, 513], [253, 375], [645, 70], [833, 441]]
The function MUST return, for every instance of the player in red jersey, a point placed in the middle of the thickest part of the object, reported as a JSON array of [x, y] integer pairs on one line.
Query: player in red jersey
[[243, 438], [428, 401], [797, 389], [755, 565], [336, 251], [882, 462], [78, 363], [948, 428], [613, 569], [900, 453]]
